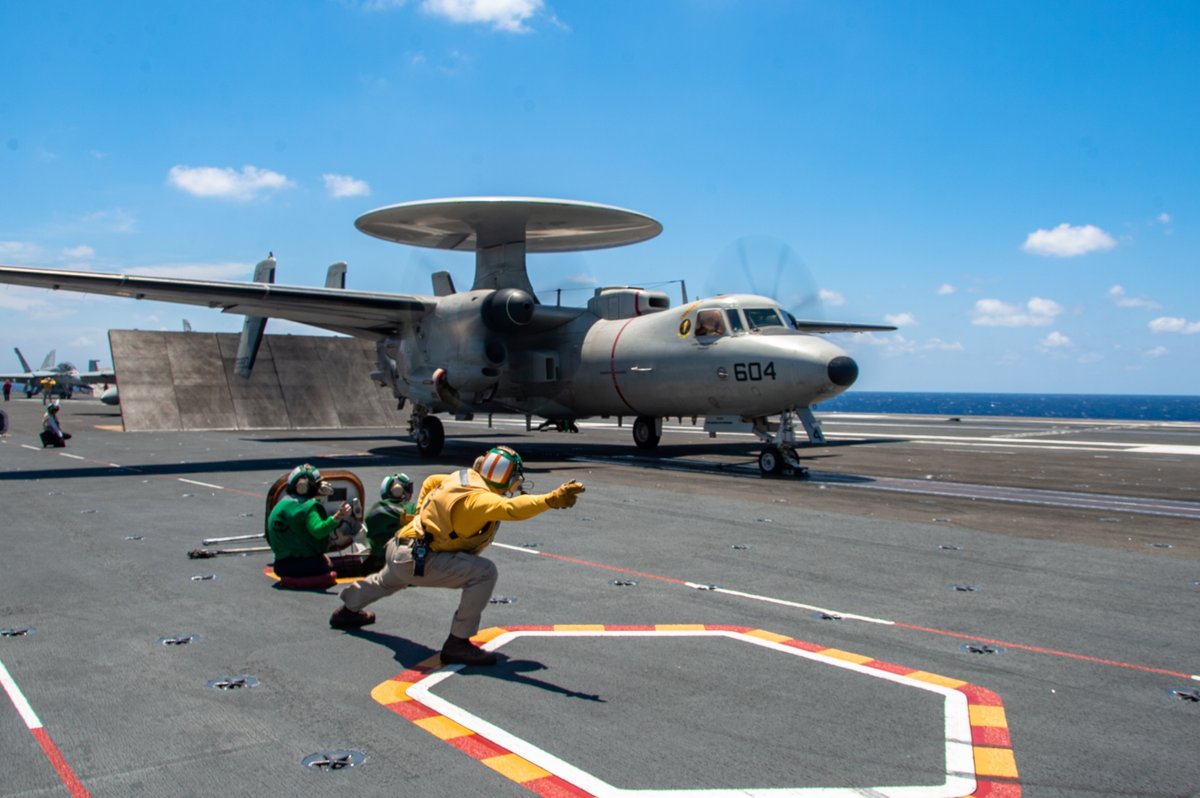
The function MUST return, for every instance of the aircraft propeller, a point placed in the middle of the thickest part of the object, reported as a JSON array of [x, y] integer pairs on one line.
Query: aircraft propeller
[[768, 267]]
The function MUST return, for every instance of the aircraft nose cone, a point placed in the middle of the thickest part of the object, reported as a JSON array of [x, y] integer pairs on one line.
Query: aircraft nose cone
[[843, 371]]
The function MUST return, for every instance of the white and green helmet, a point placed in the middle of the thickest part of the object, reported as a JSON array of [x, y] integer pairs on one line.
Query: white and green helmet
[[303, 480], [397, 486]]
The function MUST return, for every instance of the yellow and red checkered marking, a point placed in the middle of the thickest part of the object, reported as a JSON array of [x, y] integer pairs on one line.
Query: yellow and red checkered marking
[[269, 572], [995, 764]]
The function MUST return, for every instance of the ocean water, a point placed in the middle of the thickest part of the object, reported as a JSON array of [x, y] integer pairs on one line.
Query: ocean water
[[1038, 405]]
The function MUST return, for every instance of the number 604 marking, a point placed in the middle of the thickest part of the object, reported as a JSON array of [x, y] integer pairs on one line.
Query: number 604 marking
[[753, 371]]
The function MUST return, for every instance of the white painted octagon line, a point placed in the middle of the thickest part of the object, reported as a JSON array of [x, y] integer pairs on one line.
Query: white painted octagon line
[[18, 699], [960, 760]]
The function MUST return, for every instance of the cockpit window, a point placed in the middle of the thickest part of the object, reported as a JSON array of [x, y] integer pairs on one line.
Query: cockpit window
[[760, 318], [710, 322], [735, 320]]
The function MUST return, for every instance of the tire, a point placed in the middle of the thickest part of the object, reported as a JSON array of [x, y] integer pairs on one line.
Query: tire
[[770, 462], [431, 436], [644, 435]]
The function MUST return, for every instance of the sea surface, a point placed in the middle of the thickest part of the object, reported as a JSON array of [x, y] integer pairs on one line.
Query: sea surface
[[1038, 405]]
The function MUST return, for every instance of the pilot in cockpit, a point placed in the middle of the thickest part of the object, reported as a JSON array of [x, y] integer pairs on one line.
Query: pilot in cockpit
[[710, 322]]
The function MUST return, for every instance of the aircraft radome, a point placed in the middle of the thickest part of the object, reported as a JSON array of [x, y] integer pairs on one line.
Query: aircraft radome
[[738, 360]]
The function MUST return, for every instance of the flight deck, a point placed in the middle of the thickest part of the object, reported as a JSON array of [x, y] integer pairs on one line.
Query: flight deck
[[944, 607]]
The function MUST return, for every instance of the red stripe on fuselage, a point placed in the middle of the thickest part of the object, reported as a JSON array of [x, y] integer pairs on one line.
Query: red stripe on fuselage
[[612, 367]]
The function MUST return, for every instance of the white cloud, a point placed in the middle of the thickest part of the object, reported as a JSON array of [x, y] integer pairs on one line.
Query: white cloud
[[945, 289], [895, 344], [345, 186], [19, 251], [1165, 218], [831, 297], [1066, 241], [1119, 296], [904, 319], [1037, 312], [81, 252], [117, 220], [502, 15], [197, 271], [211, 181], [1174, 324], [23, 299], [1055, 340], [1157, 351]]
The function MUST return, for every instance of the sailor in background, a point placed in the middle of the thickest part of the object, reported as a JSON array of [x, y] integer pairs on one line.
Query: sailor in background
[[52, 432]]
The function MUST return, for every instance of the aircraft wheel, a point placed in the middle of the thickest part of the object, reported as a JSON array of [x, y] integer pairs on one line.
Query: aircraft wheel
[[770, 462], [644, 434], [430, 436]]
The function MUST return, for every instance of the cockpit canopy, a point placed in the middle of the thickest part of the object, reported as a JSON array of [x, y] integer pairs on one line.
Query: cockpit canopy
[[735, 315]]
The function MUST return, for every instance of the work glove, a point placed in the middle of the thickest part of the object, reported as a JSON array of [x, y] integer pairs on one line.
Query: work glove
[[564, 495]]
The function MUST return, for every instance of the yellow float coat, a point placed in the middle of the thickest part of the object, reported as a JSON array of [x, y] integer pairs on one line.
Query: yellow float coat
[[459, 512]]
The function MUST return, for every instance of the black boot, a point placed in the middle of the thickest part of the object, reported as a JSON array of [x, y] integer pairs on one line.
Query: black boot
[[461, 651], [346, 618]]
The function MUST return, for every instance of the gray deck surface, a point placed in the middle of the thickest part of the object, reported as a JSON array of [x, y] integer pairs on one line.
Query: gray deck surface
[[1079, 541]]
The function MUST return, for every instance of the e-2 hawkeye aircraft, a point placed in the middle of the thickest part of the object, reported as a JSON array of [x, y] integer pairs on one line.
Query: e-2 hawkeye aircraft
[[735, 359]]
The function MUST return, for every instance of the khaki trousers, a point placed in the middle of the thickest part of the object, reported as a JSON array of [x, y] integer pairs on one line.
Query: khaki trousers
[[475, 575]]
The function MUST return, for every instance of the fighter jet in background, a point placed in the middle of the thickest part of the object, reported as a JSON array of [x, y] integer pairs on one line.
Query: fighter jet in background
[[67, 379], [736, 359]]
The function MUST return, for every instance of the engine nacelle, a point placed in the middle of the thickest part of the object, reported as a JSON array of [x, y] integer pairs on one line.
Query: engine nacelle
[[507, 310]]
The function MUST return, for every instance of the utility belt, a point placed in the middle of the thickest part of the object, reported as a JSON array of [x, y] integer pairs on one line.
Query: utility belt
[[420, 552]]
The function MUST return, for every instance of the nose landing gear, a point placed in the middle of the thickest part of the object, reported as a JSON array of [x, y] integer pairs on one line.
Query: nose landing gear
[[779, 458]]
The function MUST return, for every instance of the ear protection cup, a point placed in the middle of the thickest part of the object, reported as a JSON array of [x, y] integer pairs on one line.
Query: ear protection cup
[[303, 480], [398, 487]]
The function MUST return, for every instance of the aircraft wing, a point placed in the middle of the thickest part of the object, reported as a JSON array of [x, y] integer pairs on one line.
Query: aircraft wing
[[97, 377], [835, 326], [361, 313]]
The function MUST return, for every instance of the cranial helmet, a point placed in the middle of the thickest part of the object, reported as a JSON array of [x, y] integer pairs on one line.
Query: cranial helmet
[[304, 480], [501, 468], [396, 486]]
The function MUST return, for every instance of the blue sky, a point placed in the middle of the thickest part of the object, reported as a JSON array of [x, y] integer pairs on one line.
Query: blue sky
[[1015, 185]]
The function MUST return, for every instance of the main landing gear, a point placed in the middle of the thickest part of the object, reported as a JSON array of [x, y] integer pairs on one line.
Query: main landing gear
[[647, 432], [779, 458], [428, 432]]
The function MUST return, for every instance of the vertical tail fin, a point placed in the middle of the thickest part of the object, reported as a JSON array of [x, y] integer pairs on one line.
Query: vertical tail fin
[[254, 326], [21, 358]]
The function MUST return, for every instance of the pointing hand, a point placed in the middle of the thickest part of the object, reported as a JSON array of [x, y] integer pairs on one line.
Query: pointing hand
[[564, 495]]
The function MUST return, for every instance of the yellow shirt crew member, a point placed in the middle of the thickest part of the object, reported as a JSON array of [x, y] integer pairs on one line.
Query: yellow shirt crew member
[[457, 517]]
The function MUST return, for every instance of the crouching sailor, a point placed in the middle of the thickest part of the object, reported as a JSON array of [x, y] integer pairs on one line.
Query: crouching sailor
[[299, 527], [457, 517], [388, 516]]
